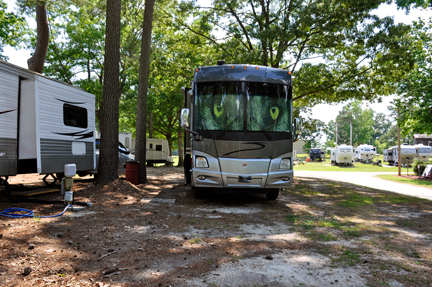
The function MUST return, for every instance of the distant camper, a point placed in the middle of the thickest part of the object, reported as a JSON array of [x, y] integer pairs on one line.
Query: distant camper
[[316, 154], [423, 152], [365, 153], [44, 124], [342, 155], [157, 151], [408, 153]]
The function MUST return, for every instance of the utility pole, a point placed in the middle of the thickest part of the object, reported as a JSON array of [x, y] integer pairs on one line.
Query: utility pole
[[399, 147], [351, 133], [336, 134]]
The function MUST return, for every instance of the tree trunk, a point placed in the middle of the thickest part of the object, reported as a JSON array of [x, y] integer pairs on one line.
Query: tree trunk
[[37, 61], [109, 111], [180, 147], [144, 71], [151, 125]]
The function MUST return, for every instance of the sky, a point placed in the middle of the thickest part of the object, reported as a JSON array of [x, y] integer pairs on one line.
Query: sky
[[323, 112]]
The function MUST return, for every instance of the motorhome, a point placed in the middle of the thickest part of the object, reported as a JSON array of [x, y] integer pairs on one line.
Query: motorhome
[[408, 153], [365, 153], [423, 153], [157, 151], [342, 155], [44, 124], [316, 154], [240, 134]]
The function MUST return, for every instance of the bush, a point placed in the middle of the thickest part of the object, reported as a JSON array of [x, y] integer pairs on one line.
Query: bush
[[419, 167]]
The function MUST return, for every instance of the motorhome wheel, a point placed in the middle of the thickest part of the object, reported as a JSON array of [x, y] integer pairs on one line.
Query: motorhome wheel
[[272, 194]]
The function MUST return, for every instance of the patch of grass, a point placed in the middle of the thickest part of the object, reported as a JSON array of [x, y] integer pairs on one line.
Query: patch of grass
[[390, 177], [195, 239], [327, 236], [329, 223], [352, 231], [292, 218], [356, 167], [350, 257], [406, 223], [400, 199], [356, 200], [307, 224]]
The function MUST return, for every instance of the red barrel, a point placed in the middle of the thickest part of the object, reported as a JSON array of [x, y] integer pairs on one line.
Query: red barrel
[[132, 171]]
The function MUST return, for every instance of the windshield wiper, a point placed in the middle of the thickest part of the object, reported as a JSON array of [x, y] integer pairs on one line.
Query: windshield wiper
[[227, 127], [262, 129]]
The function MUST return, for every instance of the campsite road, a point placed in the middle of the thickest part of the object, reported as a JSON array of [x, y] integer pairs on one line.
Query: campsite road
[[369, 179]]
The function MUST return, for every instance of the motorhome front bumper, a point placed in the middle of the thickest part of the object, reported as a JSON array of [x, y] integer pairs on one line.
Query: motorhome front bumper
[[212, 179]]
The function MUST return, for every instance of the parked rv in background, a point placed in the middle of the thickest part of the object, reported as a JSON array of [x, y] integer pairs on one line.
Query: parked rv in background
[[44, 124], [316, 154], [365, 153], [157, 151], [342, 155], [408, 153], [127, 141], [423, 152]]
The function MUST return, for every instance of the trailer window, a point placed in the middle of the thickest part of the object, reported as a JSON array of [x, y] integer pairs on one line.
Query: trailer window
[[159, 147], [74, 116]]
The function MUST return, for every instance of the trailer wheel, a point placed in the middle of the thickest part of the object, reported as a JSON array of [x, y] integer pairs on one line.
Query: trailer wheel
[[272, 194]]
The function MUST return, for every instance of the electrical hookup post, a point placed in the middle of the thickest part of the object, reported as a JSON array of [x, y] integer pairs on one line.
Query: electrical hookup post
[[67, 183]]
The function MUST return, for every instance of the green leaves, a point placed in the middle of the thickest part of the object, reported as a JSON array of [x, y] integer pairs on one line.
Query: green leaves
[[12, 28], [415, 102], [336, 50]]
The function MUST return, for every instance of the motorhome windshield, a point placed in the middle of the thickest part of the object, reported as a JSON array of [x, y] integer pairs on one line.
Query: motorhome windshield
[[239, 106], [425, 149]]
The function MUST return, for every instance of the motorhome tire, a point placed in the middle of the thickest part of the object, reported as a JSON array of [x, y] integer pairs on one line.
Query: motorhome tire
[[272, 194], [198, 192]]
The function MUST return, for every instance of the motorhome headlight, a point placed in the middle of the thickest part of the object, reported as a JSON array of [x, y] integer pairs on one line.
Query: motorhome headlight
[[285, 163], [201, 162]]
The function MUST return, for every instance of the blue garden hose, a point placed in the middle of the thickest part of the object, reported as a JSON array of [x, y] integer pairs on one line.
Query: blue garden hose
[[11, 212]]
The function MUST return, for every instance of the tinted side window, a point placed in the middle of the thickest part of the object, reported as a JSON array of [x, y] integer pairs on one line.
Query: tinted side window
[[159, 147], [74, 116]]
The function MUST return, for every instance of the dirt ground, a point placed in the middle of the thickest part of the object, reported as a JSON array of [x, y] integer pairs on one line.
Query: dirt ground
[[320, 233]]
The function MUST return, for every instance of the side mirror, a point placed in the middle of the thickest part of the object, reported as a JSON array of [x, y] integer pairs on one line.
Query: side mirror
[[184, 118], [297, 128]]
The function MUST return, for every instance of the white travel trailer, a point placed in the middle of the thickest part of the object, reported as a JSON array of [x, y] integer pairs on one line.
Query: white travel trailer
[[423, 152], [365, 153], [388, 156], [44, 124], [342, 155], [408, 153], [157, 151]]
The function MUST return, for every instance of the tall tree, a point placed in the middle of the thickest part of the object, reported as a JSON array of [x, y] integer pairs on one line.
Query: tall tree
[[141, 129], [336, 50], [109, 114], [415, 100], [37, 61]]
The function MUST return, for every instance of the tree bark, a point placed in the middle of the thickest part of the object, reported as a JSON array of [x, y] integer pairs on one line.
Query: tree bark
[[144, 71], [37, 61], [151, 125], [109, 111]]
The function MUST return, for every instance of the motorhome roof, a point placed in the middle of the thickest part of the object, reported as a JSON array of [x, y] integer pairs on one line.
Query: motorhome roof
[[238, 72]]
